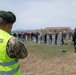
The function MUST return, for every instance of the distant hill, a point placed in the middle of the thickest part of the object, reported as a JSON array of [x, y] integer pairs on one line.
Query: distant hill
[[22, 30]]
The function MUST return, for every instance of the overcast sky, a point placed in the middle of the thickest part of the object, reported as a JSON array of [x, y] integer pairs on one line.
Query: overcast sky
[[39, 14]]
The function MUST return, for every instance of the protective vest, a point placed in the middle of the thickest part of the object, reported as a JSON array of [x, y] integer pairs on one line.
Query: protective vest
[[8, 66]]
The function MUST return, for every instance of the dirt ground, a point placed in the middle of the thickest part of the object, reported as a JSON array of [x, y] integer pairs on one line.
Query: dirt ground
[[33, 65]]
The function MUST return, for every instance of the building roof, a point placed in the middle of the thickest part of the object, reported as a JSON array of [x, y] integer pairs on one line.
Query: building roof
[[60, 28]]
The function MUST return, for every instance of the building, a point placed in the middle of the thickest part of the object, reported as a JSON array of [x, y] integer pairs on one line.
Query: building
[[57, 28]]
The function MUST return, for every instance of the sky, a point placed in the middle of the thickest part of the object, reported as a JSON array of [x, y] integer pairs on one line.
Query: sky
[[39, 14]]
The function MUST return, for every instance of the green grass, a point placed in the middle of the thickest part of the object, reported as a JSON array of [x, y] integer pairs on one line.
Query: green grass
[[45, 51]]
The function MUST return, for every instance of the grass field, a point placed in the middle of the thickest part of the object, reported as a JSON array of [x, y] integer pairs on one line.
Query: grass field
[[45, 51], [46, 59]]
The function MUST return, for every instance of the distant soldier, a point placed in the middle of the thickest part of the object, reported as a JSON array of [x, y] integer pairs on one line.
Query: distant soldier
[[19, 36], [48, 38], [14, 34], [56, 35], [53, 38], [23, 37], [39, 38], [43, 38], [36, 35], [67, 36], [34, 38], [74, 39], [59, 39]]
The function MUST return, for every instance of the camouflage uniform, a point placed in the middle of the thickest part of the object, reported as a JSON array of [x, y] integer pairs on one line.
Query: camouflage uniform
[[15, 49]]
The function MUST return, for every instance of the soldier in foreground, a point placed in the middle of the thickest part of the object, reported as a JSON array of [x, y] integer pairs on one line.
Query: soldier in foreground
[[10, 48]]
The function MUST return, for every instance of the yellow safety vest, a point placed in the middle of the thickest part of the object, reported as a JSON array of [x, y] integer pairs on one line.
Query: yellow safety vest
[[8, 66]]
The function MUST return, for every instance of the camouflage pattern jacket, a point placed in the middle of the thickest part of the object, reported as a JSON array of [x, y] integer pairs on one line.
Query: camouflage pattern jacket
[[15, 49]]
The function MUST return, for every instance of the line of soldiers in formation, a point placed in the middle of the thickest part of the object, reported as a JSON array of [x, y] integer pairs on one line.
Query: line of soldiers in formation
[[53, 38]]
